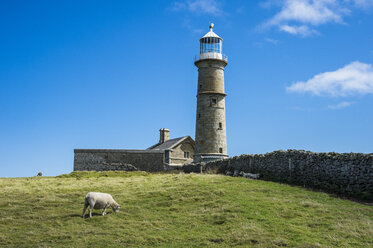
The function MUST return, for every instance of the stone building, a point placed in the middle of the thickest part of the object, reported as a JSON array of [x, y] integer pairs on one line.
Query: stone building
[[178, 151], [211, 140], [166, 154]]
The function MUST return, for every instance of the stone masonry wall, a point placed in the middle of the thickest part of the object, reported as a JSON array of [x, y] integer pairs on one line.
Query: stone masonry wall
[[210, 117], [347, 173], [177, 154], [108, 159]]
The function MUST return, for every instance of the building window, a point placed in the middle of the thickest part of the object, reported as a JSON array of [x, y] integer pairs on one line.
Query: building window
[[200, 86], [186, 154], [220, 125], [213, 101], [199, 116], [220, 150]]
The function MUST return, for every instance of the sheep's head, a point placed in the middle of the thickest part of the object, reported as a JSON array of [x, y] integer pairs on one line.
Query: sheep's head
[[116, 207]]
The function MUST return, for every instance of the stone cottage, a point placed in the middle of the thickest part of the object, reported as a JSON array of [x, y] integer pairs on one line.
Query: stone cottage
[[166, 154]]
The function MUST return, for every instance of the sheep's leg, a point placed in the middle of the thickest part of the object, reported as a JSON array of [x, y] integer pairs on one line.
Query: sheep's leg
[[90, 211], [103, 213], [84, 209]]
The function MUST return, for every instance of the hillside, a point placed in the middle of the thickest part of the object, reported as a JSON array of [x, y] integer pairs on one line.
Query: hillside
[[177, 210]]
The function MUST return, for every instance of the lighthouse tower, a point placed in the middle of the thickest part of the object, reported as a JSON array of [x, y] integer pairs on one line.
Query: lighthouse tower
[[211, 138]]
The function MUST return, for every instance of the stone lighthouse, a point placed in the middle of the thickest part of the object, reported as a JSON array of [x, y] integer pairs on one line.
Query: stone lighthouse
[[211, 138]]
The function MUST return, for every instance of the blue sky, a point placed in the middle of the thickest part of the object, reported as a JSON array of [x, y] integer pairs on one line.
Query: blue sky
[[110, 74]]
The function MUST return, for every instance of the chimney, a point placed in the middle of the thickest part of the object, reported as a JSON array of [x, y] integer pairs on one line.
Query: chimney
[[164, 135]]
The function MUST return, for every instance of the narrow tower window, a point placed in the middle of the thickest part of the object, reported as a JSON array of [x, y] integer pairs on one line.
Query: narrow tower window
[[200, 86], [220, 150], [220, 125], [213, 101]]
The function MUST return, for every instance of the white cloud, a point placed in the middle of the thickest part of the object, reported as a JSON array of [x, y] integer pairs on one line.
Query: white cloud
[[302, 30], [305, 11], [212, 7], [298, 16], [363, 3], [272, 41], [187, 24], [355, 78], [340, 105]]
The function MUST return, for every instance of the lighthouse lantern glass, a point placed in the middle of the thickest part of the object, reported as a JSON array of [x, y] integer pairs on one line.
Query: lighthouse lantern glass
[[211, 45]]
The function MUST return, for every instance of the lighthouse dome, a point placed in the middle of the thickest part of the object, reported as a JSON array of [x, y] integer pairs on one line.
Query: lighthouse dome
[[211, 33]]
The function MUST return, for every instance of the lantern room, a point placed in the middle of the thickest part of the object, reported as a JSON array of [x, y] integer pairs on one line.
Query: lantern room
[[211, 46]]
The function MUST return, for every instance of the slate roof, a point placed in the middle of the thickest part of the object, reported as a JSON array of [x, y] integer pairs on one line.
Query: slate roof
[[169, 144]]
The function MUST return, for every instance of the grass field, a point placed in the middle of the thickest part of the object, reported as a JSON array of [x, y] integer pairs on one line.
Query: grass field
[[177, 210]]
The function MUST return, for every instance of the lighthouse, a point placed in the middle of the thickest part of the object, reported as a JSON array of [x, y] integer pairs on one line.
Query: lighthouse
[[211, 138]]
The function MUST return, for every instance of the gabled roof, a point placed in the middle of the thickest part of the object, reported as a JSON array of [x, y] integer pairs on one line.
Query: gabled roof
[[169, 144]]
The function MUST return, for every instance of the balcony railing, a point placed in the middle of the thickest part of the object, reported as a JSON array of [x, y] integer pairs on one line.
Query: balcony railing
[[212, 56]]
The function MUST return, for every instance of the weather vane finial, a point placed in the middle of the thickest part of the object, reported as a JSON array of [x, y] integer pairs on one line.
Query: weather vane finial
[[211, 26]]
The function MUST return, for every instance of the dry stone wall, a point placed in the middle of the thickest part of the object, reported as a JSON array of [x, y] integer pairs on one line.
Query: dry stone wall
[[108, 159], [346, 173]]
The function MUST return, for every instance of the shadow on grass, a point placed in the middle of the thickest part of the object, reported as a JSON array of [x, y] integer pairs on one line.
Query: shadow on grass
[[85, 216]]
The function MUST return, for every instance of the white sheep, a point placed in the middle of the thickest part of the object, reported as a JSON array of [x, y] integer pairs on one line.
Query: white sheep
[[249, 175], [98, 200]]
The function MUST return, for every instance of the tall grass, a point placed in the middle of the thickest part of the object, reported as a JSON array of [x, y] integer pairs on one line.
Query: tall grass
[[177, 210]]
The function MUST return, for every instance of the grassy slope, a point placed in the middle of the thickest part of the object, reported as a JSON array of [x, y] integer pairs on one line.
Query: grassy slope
[[172, 210]]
